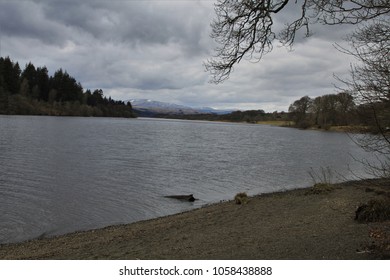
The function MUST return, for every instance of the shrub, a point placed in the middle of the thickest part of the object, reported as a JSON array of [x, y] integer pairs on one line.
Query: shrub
[[376, 210], [324, 175], [241, 198], [320, 188]]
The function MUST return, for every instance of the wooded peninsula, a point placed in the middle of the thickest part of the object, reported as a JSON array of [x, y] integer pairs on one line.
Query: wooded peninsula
[[33, 92]]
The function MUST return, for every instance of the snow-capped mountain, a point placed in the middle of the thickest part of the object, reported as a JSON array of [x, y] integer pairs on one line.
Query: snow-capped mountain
[[147, 103], [152, 107]]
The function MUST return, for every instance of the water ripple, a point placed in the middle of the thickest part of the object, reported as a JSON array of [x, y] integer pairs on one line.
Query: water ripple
[[59, 175]]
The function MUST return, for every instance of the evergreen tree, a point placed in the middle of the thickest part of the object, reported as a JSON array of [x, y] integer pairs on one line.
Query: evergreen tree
[[29, 74], [11, 75], [25, 88], [3, 100], [42, 80]]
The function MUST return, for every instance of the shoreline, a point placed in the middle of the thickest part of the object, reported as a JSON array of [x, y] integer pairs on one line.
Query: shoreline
[[293, 224], [337, 128], [275, 123]]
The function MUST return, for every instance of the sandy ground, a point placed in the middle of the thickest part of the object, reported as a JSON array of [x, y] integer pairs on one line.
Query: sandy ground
[[287, 225]]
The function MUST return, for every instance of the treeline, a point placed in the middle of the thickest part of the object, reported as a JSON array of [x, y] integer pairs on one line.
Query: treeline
[[249, 116], [322, 112], [254, 116], [340, 110], [32, 91]]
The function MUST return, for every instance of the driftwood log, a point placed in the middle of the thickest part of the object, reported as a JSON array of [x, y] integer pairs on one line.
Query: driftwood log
[[188, 197]]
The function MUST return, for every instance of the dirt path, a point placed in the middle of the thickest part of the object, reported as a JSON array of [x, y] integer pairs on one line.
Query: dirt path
[[289, 225]]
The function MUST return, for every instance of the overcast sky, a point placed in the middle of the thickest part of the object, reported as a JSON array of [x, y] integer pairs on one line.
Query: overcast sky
[[156, 50]]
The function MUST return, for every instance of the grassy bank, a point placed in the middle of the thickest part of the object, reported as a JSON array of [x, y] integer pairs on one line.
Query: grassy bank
[[277, 123], [338, 128]]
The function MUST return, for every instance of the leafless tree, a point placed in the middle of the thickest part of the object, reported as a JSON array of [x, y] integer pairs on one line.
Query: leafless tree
[[299, 111], [369, 83], [245, 28]]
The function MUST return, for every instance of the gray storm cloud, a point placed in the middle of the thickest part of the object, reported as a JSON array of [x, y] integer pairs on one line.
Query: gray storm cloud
[[156, 50]]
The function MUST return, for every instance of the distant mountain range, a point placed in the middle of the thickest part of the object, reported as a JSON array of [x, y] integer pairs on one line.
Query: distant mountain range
[[150, 108]]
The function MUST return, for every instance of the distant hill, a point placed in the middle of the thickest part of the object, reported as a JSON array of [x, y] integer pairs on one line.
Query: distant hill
[[150, 108]]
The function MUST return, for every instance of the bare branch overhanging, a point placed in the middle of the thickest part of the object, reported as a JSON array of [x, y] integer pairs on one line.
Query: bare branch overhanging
[[245, 28]]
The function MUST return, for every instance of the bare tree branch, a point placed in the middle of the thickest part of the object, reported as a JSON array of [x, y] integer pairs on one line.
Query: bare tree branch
[[370, 86], [245, 28]]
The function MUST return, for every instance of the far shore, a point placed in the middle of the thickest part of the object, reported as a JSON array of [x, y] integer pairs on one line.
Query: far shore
[[297, 224], [334, 128]]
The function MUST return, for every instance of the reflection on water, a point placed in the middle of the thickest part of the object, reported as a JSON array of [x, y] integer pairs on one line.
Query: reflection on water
[[59, 174]]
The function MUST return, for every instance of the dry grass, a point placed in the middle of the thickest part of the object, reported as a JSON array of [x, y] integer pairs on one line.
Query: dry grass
[[241, 198], [380, 241], [277, 123], [320, 188]]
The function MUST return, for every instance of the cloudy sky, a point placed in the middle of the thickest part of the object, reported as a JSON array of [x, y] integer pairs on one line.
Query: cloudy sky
[[156, 50]]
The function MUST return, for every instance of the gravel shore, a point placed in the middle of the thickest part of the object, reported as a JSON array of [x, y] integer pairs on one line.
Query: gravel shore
[[296, 224]]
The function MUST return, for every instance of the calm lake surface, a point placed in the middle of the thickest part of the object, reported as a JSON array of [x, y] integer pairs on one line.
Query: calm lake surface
[[63, 174]]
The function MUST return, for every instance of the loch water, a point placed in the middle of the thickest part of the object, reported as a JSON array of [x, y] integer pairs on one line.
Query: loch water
[[65, 174]]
